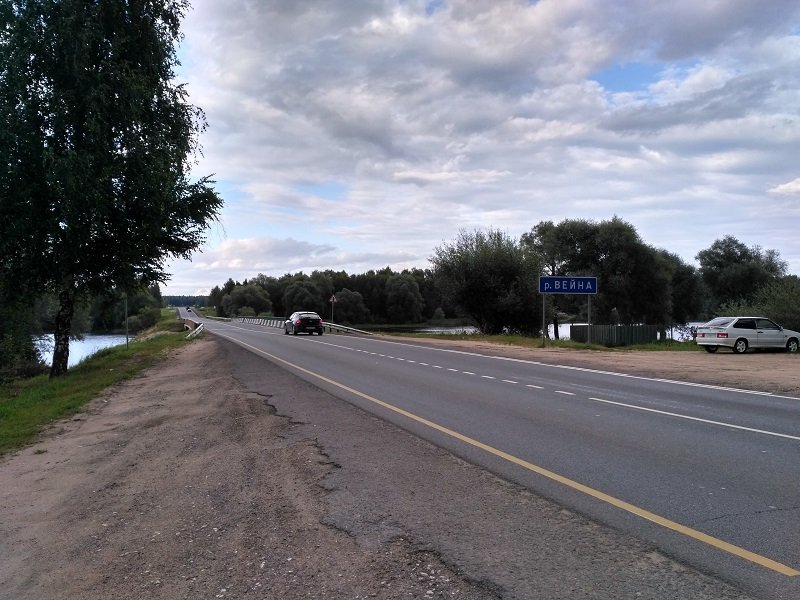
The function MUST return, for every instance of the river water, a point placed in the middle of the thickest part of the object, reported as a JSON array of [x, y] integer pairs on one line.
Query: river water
[[79, 349]]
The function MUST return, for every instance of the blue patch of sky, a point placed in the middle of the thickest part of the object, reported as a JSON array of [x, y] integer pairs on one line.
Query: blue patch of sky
[[184, 56], [238, 220], [629, 77], [434, 6], [329, 190]]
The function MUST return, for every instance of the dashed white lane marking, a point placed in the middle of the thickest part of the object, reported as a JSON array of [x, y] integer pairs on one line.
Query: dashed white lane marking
[[698, 419], [575, 485], [611, 402]]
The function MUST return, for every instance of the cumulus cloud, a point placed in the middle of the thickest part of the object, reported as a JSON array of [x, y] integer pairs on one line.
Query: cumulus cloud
[[431, 117], [791, 188]]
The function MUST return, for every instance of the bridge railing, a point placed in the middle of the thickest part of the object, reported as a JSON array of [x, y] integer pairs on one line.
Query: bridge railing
[[277, 322]]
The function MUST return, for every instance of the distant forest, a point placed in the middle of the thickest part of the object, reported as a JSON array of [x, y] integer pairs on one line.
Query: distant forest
[[491, 280]]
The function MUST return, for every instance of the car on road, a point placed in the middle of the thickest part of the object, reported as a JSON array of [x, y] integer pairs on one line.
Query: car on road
[[741, 333], [303, 321]]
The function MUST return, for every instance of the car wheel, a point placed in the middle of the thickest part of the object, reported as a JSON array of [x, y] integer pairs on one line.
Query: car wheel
[[711, 349], [285, 330], [792, 345], [294, 330], [740, 347], [320, 332]]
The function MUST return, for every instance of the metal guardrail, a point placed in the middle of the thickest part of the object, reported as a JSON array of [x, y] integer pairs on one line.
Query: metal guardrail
[[195, 332], [278, 324]]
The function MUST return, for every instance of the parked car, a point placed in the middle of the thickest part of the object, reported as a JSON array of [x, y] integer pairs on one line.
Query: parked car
[[303, 321], [741, 333]]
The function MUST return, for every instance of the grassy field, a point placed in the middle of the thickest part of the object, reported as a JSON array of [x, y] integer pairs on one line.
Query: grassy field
[[28, 406]]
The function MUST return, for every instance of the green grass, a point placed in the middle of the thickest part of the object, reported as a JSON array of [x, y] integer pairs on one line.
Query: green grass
[[28, 406]]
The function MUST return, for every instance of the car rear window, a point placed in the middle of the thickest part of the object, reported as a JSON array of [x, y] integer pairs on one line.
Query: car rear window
[[719, 322]]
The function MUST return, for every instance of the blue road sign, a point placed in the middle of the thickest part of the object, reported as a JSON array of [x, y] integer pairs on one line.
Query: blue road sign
[[567, 285]]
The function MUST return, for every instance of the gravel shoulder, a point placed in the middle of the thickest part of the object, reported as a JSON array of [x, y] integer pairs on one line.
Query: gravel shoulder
[[219, 475]]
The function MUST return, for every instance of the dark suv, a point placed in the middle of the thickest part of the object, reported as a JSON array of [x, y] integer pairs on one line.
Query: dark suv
[[303, 322]]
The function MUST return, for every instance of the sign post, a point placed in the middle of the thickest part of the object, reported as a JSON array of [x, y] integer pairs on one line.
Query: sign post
[[332, 301], [568, 285]]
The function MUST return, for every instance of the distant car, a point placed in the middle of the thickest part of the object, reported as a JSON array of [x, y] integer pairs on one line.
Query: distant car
[[188, 309], [741, 333], [303, 321]]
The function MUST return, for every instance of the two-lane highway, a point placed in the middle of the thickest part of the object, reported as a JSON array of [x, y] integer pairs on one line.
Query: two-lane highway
[[709, 475]]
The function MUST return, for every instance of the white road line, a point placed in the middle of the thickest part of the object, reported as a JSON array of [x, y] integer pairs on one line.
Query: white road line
[[610, 402], [586, 370], [698, 419]]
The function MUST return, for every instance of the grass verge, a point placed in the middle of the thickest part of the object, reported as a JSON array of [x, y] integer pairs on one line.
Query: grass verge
[[28, 406]]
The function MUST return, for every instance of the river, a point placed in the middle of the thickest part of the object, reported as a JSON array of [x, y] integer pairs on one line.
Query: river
[[79, 349]]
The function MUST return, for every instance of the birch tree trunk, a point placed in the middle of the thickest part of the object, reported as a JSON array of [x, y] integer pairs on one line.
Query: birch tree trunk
[[63, 327]]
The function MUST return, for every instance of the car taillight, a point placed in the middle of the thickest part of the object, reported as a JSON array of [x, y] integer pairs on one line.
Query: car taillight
[[701, 335], [722, 335], [298, 322]]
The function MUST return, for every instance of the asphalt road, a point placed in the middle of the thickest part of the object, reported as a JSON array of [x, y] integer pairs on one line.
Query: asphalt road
[[710, 476]]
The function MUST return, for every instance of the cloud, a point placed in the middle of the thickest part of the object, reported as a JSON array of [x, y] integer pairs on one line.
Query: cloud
[[791, 188], [478, 113]]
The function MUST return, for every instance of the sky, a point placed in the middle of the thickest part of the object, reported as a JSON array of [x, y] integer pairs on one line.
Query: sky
[[354, 135]]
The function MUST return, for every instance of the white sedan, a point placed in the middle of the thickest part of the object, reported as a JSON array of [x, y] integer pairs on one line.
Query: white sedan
[[741, 333]]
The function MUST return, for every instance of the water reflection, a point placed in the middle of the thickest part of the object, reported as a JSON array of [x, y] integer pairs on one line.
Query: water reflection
[[79, 349]]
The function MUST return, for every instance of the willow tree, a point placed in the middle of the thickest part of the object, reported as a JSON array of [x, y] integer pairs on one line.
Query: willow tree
[[96, 145], [488, 276]]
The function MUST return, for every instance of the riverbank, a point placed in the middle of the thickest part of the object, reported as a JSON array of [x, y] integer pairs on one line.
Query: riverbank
[[82, 349], [217, 474]]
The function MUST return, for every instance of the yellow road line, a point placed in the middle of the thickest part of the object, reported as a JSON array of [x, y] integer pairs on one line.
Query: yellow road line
[[616, 502]]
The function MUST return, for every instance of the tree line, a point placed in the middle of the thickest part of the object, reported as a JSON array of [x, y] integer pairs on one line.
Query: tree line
[[377, 296], [491, 279]]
